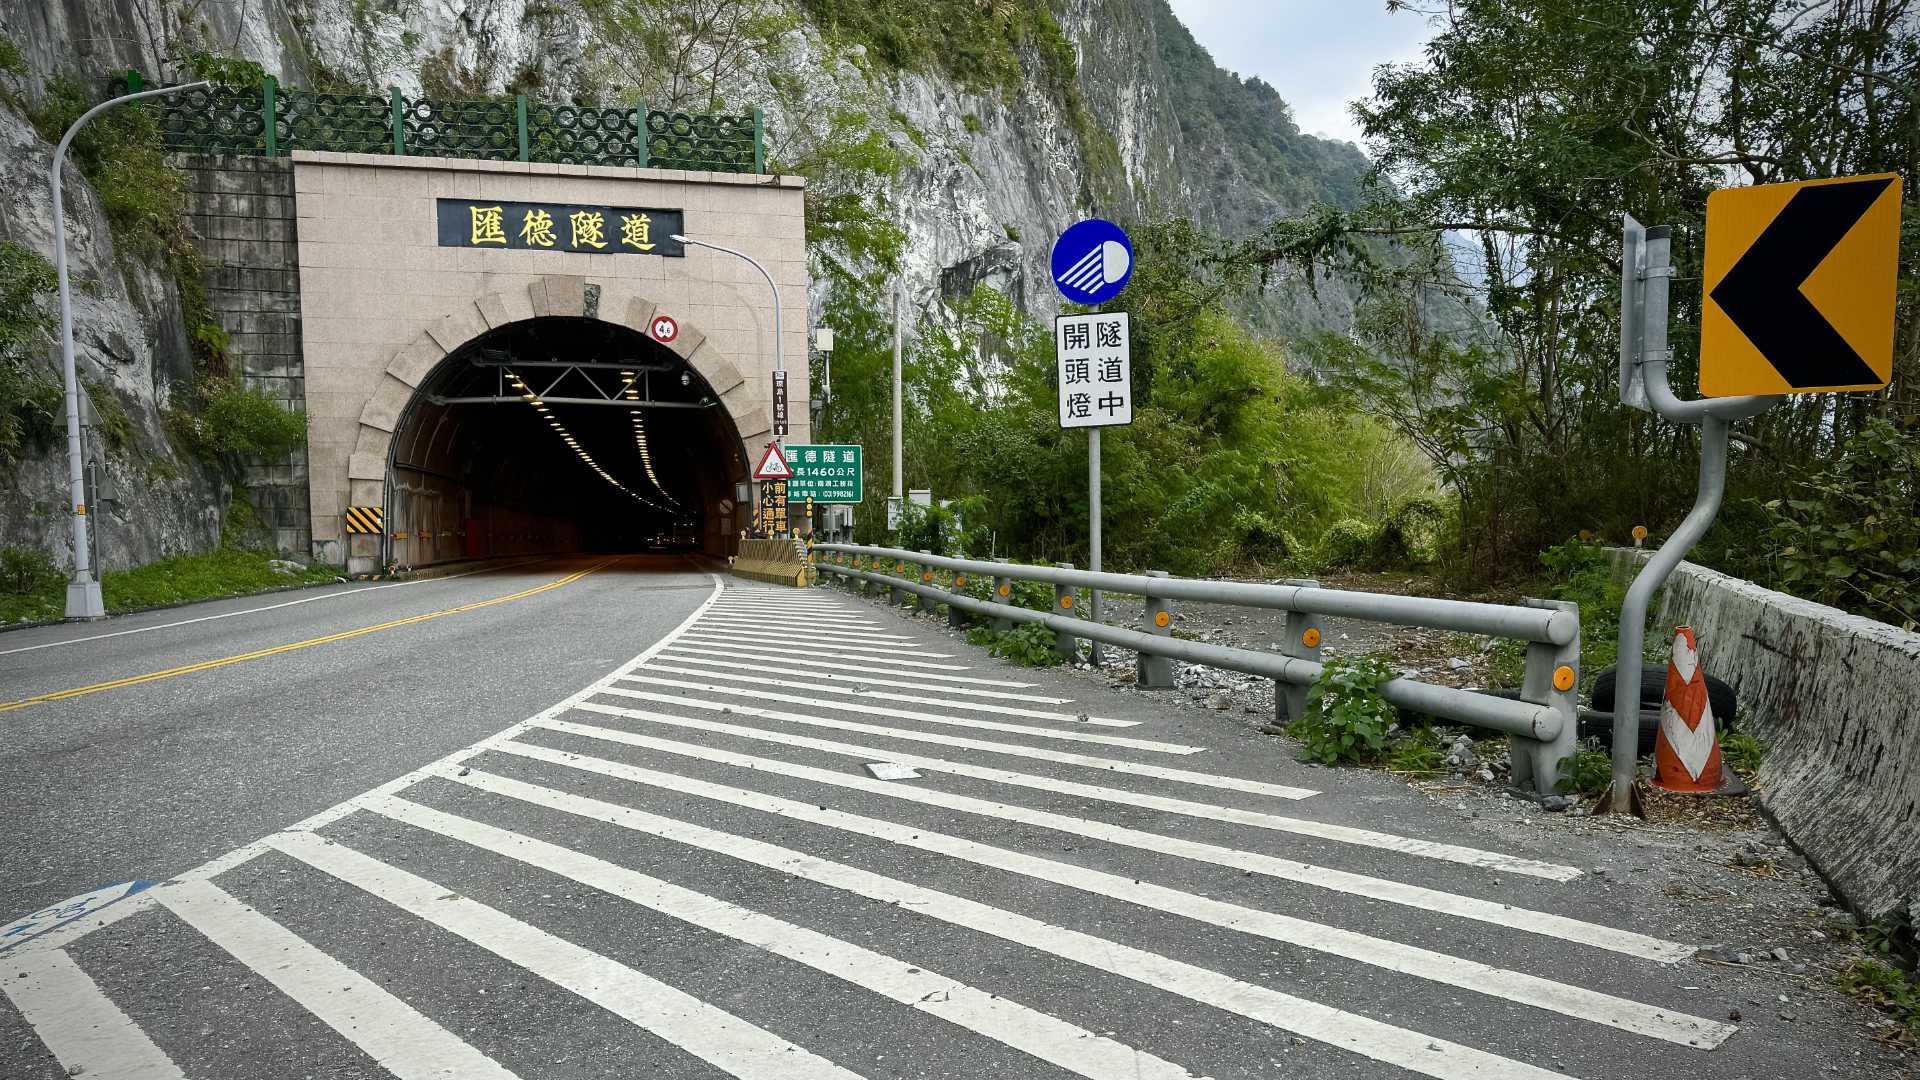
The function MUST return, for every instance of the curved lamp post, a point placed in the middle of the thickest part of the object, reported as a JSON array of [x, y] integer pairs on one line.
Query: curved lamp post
[[83, 592], [778, 365]]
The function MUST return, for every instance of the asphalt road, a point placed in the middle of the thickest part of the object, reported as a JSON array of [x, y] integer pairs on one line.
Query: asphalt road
[[148, 780], [626, 826]]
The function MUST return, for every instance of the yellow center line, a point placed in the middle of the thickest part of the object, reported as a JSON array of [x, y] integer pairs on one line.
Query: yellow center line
[[260, 654]]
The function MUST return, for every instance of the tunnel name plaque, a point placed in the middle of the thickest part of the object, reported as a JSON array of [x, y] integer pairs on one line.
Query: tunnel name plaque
[[573, 227]]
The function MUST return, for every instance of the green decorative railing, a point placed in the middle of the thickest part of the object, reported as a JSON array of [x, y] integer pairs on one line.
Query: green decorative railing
[[271, 120]]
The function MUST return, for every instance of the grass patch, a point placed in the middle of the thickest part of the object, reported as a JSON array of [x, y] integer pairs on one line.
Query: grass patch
[[1589, 771], [1742, 752], [1886, 988], [178, 580], [1028, 645]]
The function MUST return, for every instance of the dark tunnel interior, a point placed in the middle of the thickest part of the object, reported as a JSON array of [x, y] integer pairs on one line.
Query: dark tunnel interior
[[558, 435]]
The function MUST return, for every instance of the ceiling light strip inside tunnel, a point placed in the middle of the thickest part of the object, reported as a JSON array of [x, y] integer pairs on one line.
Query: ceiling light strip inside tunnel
[[526, 394]]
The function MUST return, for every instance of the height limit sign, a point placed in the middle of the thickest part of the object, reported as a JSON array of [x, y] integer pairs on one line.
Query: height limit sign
[[1096, 370]]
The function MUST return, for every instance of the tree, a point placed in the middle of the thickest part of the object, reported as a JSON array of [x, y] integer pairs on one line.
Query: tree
[[1515, 144]]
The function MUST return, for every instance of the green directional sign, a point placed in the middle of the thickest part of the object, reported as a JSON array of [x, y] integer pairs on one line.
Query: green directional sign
[[826, 474]]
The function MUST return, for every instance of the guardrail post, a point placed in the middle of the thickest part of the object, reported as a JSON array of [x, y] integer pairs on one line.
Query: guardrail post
[[1064, 643], [1002, 594], [1152, 672], [896, 595], [1551, 676], [921, 603], [1302, 642], [520, 125], [956, 617]]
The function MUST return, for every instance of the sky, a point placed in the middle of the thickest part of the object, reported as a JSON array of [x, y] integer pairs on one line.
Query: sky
[[1320, 54]]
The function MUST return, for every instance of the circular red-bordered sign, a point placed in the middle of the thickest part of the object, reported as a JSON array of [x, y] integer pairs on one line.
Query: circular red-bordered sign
[[664, 329]]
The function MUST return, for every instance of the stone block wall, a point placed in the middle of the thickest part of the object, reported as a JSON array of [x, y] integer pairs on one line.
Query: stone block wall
[[242, 212]]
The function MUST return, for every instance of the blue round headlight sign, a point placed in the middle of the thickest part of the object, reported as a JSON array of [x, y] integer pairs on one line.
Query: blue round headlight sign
[[1092, 261]]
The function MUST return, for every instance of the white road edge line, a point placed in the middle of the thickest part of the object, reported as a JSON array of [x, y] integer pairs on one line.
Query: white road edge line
[[1494, 912], [1044, 1036], [86, 1031], [1352, 1032], [257, 610], [133, 905], [1443, 969], [393, 1033]]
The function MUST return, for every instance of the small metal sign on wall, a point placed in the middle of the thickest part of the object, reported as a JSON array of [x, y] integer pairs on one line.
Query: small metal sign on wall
[[518, 226]]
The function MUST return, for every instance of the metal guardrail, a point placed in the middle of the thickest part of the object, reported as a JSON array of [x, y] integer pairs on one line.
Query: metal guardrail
[[1542, 724]]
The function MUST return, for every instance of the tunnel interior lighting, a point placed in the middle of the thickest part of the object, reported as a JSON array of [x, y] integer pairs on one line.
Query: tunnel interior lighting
[[567, 437]]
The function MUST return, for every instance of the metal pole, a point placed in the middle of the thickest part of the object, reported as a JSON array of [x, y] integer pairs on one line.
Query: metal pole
[[1633, 610], [83, 592], [899, 470], [1093, 528], [1715, 417]]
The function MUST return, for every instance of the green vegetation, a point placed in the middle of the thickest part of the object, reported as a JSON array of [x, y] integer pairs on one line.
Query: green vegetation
[[1028, 645], [24, 571], [1847, 535], [223, 420], [112, 425], [1587, 772], [979, 45], [1507, 379], [30, 398], [1348, 720], [178, 580], [119, 153], [1418, 753], [1887, 988], [1227, 464], [1742, 752]]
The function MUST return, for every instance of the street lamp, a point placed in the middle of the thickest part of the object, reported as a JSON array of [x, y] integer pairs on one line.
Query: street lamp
[[83, 592], [778, 365]]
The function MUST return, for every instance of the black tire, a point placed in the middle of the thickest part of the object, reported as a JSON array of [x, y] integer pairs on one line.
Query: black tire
[[1653, 689]]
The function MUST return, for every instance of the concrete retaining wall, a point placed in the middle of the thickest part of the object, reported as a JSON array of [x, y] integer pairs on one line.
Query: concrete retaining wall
[[1836, 697]]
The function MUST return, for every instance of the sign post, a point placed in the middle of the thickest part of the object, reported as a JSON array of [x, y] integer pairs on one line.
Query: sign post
[[1799, 284], [1091, 262], [1095, 360]]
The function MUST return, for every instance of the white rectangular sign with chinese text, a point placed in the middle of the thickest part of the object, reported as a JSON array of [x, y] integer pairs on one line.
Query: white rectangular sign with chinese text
[[1096, 369]]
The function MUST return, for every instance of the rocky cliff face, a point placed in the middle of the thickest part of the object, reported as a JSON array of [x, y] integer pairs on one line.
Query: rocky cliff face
[[128, 344], [995, 170]]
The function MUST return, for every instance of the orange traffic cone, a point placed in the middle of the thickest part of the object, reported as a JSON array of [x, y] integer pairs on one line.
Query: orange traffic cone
[[1686, 752]]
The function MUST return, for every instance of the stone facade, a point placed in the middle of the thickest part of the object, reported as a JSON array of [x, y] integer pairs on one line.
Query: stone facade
[[242, 213], [382, 303]]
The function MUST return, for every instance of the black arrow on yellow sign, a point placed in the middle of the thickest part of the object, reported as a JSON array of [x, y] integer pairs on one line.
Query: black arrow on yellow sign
[[1762, 292]]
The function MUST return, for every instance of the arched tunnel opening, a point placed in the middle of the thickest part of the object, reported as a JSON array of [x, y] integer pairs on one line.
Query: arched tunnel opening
[[557, 435]]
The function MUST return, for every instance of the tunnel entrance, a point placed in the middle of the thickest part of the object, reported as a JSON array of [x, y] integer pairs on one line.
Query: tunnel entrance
[[557, 435]]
